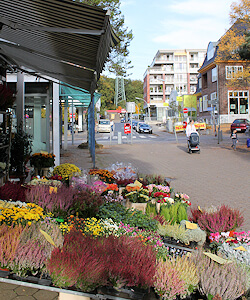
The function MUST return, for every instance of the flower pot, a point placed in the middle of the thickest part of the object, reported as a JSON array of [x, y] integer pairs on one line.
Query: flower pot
[[4, 273], [45, 282], [45, 172], [138, 206]]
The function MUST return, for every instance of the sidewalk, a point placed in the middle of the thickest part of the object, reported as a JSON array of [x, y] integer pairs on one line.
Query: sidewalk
[[218, 175]]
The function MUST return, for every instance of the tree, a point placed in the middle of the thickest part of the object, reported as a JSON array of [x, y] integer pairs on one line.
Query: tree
[[106, 87], [117, 62], [234, 44]]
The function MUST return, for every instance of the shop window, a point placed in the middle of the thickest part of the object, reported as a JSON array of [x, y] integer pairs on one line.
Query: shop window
[[238, 102]]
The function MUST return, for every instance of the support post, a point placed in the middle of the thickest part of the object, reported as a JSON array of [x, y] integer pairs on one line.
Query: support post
[[65, 145], [20, 99], [56, 123]]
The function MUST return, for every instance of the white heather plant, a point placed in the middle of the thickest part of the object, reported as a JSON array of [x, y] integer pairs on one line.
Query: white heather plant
[[228, 251], [229, 281], [110, 227]]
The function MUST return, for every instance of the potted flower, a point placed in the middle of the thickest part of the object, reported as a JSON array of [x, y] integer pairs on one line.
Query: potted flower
[[137, 197], [42, 162]]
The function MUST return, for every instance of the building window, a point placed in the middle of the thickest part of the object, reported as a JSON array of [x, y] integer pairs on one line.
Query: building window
[[205, 103], [204, 80], [214, 74], [199, 83], [238, 102], [200, 104], [233, 71]]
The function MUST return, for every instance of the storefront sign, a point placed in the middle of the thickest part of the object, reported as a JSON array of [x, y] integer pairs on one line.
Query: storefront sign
[[179, 128]]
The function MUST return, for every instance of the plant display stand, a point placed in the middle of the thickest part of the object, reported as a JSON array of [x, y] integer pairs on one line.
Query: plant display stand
[[138, 206]]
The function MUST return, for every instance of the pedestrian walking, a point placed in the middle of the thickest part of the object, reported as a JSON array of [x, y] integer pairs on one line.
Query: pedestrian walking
[[234, 139]]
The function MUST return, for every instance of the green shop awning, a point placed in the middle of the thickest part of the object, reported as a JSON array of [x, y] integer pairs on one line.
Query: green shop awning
[[80, 97]]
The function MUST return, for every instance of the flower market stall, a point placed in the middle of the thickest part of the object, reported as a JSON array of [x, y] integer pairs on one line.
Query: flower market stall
[[118, 234]]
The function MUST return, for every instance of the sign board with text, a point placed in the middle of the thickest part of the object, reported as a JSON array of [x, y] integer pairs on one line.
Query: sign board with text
[[127, 128], [179, 128]]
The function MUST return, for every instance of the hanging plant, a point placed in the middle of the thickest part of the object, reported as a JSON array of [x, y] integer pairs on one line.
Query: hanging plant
[[7, 97]]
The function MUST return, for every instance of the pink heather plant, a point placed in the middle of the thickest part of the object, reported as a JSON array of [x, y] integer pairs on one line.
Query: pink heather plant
[[57, 201], [29, 257], [224, 219], [167, 282]]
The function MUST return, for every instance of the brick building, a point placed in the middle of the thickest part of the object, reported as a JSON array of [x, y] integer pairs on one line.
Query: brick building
[[217, 101]]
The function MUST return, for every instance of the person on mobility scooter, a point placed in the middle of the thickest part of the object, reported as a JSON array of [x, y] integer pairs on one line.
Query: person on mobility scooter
[[193, 139]]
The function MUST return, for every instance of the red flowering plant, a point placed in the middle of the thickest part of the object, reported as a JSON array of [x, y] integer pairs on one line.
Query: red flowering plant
[[161, 197], [13, 191]]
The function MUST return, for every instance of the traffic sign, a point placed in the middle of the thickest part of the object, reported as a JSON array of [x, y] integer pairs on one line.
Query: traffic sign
[[185, 110], [127, 128]]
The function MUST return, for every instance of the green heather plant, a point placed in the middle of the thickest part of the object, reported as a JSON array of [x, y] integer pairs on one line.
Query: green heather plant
[[227, 281], [174, 231]]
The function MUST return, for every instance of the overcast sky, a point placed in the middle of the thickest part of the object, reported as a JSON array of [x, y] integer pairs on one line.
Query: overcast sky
[[172, 24]]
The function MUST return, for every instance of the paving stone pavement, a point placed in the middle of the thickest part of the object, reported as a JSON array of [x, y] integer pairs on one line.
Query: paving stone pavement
[[218, 175], [17, 292]]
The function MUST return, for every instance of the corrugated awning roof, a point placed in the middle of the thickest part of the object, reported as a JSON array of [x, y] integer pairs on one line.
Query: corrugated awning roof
[[63, 39]]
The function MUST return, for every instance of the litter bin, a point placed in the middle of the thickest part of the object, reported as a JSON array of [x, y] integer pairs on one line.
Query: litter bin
[[248, 143]]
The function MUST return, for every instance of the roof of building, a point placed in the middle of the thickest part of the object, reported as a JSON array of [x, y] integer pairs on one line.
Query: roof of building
[[63, 39]]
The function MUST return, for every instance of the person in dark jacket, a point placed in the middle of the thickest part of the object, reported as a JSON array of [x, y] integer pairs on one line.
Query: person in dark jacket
[[234, 139]]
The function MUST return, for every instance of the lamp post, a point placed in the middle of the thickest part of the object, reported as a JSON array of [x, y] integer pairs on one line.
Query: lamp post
[[148, 106]]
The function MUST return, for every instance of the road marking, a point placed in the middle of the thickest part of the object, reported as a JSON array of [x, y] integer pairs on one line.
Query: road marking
[[152, 137], [124, 137], [115, 137], [142, 137]]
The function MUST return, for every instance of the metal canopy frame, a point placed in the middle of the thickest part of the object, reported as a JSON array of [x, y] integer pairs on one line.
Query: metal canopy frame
[[64, 39]]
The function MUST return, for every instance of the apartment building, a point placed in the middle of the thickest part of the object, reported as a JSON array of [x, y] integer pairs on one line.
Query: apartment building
[[170, 70]]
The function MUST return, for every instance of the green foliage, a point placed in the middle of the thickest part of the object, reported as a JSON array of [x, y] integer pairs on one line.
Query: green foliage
[[21, 148], [182, 213], [117, 62], [151, 209], [164, 211], [106, 87], [118, 213]]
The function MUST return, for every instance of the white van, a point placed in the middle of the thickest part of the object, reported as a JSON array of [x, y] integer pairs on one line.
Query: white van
[[104, 125]]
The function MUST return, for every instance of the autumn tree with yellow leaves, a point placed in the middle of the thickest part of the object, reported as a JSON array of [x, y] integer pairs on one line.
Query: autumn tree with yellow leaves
[[234, 41]]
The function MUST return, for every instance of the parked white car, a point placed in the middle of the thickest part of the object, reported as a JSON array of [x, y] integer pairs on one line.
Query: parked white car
[[104, 125]]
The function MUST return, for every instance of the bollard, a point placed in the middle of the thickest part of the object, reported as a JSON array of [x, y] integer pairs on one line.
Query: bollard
[[119, 138]]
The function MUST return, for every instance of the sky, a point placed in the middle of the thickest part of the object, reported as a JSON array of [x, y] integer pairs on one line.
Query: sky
[[171, 24]]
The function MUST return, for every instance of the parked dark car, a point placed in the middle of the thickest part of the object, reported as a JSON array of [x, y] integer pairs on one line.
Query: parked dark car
[[145, 128], [134, 124], [241, 125]]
